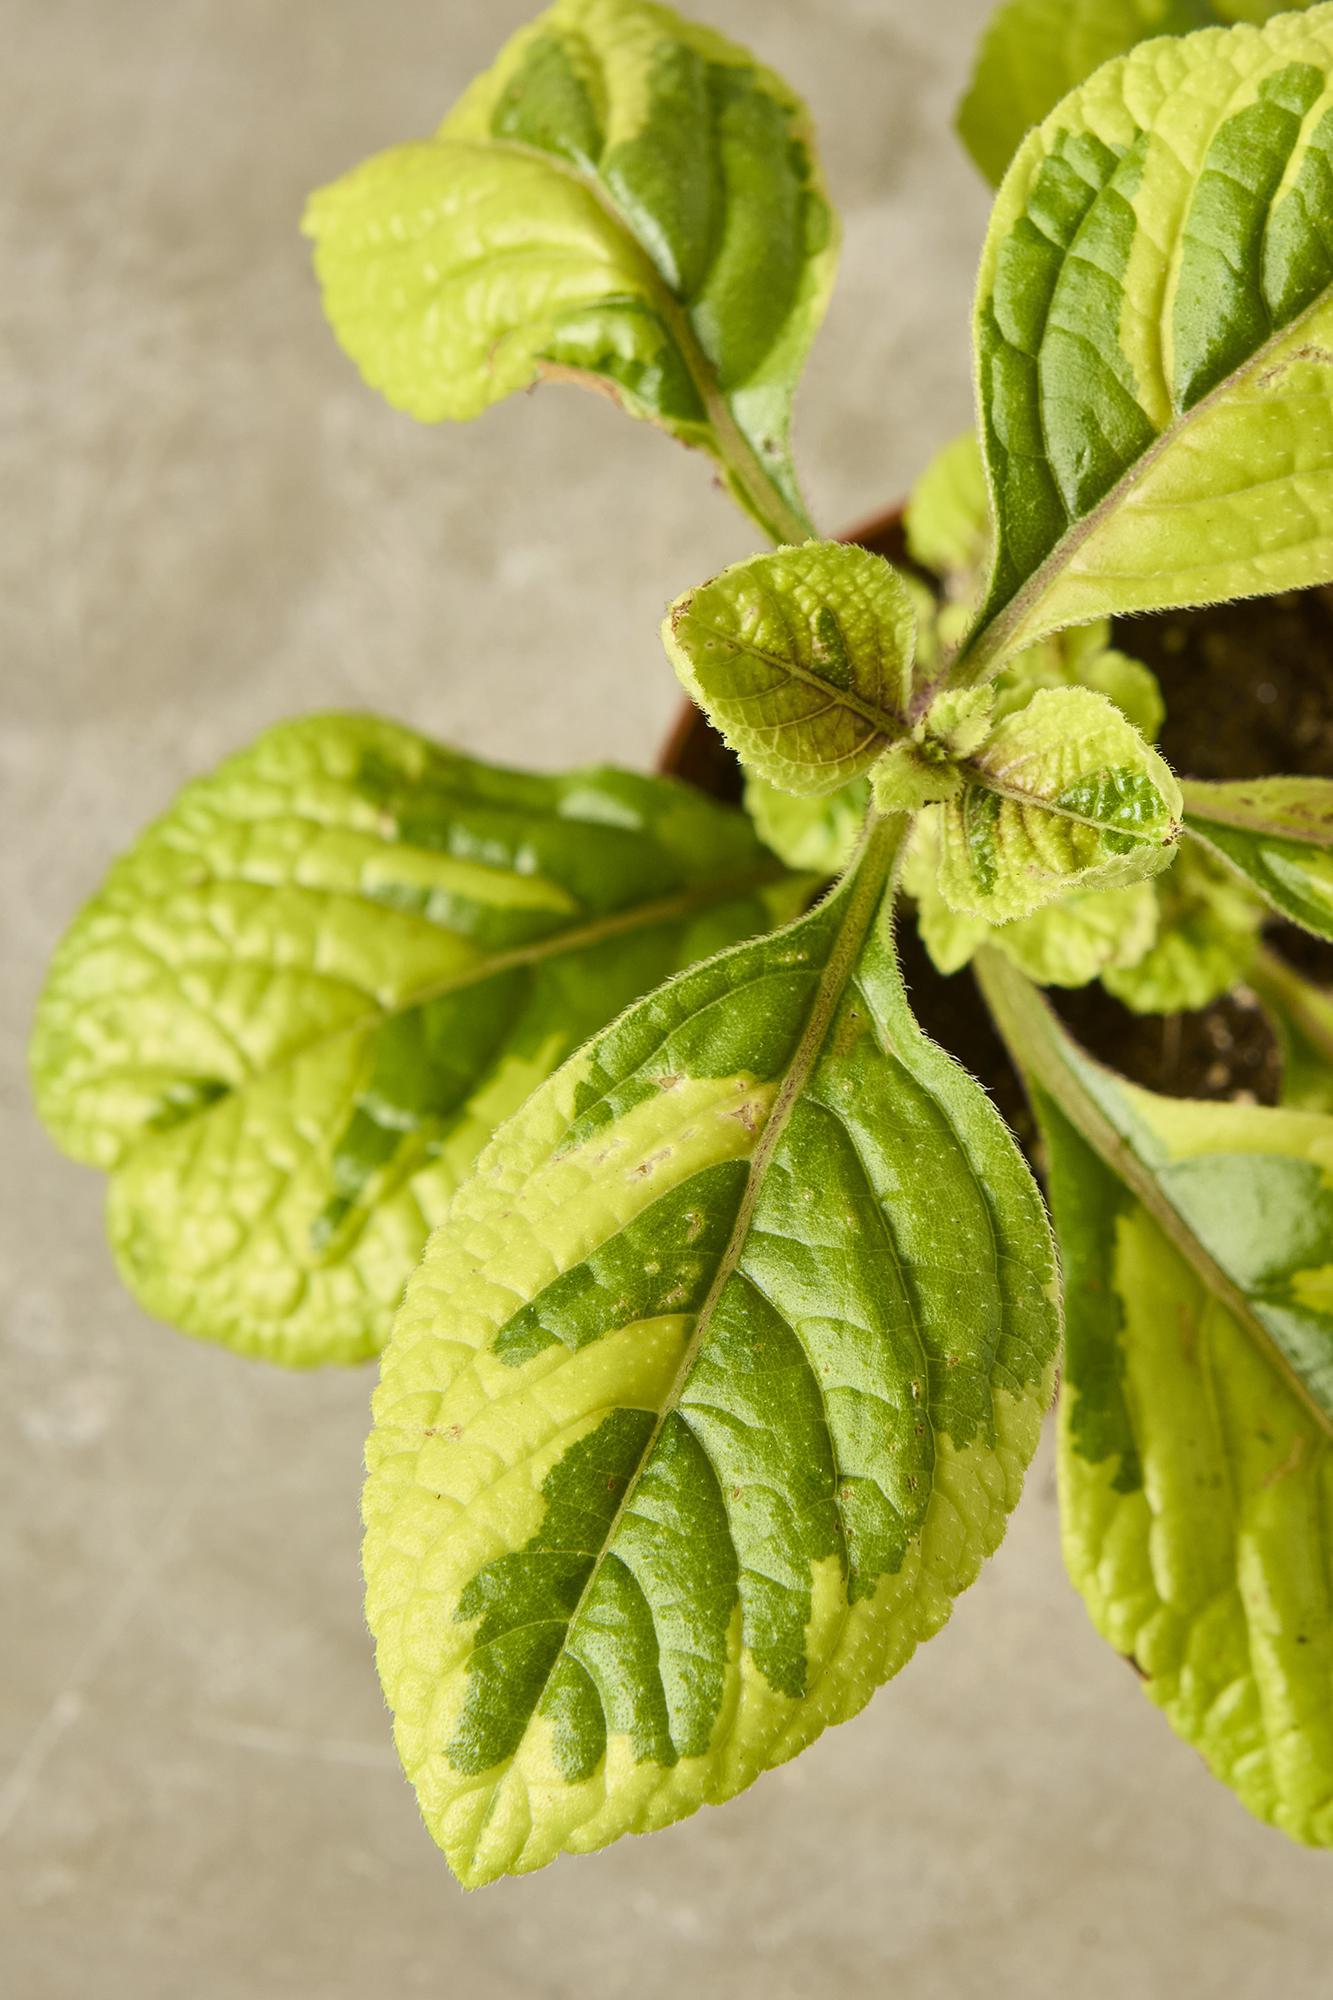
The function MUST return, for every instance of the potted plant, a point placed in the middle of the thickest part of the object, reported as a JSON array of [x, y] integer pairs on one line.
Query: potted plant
[[719, 1309]]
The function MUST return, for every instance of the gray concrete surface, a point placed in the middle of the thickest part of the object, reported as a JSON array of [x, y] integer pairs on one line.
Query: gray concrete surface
[[207, 524]]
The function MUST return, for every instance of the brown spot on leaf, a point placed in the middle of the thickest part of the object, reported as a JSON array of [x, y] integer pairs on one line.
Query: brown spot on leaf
[[747, 1113], [1311, 351]]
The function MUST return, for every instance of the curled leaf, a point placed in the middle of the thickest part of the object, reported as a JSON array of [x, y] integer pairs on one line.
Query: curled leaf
[[625, 199], [1069, 943]]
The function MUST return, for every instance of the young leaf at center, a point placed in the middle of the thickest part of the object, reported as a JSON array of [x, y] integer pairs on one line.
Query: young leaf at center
[[1064, 797], [712, 1395], [802, 659]]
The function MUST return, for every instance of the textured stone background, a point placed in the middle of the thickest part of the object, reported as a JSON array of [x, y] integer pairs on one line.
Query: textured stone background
[[207, 524]]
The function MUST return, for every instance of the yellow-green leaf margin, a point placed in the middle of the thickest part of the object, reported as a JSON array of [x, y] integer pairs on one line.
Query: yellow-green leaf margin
[[712, 1393]]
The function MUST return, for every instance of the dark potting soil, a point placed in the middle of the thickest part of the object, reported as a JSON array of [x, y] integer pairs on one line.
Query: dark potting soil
[[1247, 686], [1228, 1050]]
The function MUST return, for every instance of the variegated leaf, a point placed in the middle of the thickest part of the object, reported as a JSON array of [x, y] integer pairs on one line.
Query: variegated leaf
[[712, 1393], [301, 1003], [626, 199], [1154, 331], [1278, 834], [1196, 1454], [802, 659], [1068, 943], [1064, 797]]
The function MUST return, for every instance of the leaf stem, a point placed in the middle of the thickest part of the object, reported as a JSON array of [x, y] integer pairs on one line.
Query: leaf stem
[[786, 525], [744, 475], [1048, 1061], [1286, 995]]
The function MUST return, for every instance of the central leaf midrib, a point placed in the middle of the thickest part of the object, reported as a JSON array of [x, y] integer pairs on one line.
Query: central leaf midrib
[[977, 774], [678, 323], [870, 872], [885, 722], [581, 937], [989, 643]]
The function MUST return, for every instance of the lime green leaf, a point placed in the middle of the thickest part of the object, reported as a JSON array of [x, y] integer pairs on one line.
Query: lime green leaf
[[1302, 1017], [1072, 943], [958, 722], [1034, 51], [815, 834], [1196, 1454], [711, 1395], [300, 1004], [1154, 329], [802, 659], [1065, 944], [625, 199], [1065, 796], [1084, 657], [948, 516], [1278, 834], [951, 940], [1207, 932]]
